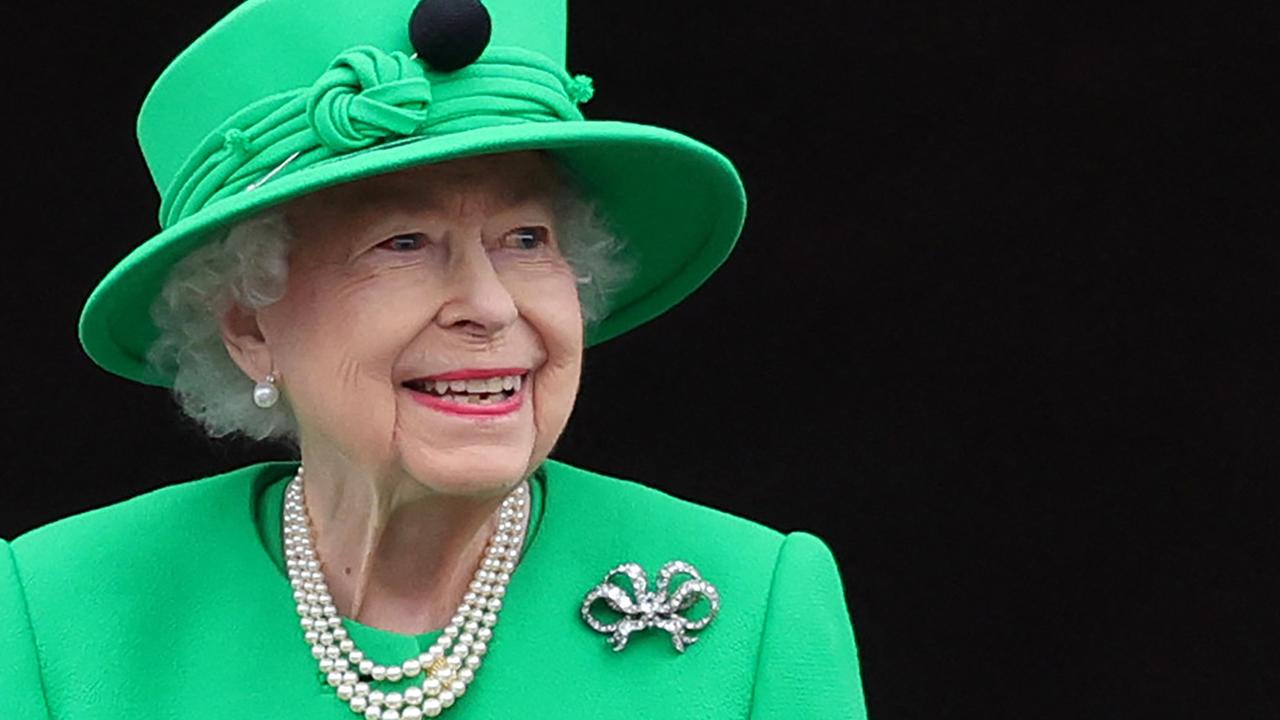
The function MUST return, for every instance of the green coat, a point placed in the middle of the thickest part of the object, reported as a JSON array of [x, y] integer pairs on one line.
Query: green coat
[[175, 605]]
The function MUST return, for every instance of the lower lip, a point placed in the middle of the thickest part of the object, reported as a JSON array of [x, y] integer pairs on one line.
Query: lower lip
[[506, 407]]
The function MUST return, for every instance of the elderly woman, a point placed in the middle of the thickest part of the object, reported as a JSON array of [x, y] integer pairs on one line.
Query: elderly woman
[[388, 236]]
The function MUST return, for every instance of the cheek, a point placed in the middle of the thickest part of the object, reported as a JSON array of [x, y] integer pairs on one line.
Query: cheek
[[548, 301], [551, 308], [335, 341]]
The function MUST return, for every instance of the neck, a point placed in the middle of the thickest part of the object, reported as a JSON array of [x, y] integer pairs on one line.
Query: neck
[[396, 555]]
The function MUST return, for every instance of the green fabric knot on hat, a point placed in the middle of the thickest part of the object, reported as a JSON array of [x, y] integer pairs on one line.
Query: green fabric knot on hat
[[236, 142], [581, 88], [367, 96]]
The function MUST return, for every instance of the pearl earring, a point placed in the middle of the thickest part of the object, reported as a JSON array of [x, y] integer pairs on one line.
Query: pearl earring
[[265, 393]]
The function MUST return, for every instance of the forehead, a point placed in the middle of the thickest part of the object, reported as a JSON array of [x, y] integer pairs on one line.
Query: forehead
[[485, 182]]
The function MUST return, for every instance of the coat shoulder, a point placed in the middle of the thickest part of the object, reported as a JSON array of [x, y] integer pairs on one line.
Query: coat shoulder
[[630, 516], [145, 528], [636, 504]]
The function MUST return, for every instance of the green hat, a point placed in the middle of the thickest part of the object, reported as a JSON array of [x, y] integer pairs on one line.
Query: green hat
[[284, 97]]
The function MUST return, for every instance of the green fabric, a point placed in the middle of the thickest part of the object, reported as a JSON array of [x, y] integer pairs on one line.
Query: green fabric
[[364, 98], [175, 604], [284, 97]]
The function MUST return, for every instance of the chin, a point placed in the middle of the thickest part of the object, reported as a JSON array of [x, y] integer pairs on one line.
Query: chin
[[470, 471]]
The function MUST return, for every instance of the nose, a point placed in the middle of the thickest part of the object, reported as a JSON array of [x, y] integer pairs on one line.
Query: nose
[[477, 301]]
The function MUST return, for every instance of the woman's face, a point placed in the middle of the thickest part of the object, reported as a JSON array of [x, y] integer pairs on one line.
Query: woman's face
[[430, 324]]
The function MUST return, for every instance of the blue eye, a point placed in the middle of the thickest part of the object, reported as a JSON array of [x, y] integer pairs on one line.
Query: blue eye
[[402, 243], [526, 238]]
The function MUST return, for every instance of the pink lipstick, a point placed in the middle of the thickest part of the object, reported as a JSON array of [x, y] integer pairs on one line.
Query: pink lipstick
[[472, 392]]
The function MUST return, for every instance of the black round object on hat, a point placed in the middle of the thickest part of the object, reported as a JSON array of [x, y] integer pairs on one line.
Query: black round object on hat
[[449, 34]]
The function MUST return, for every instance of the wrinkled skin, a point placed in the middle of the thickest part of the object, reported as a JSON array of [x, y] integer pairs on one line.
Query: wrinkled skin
[[426, 271]]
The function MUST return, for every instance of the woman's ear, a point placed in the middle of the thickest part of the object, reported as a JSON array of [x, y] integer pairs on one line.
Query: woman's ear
[[245, 343]]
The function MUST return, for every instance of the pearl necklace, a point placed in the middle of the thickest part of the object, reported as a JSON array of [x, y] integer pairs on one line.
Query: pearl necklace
[[447, 667]]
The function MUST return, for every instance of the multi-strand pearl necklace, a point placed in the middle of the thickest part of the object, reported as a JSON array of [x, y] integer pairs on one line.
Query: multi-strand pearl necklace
[[447, 667]]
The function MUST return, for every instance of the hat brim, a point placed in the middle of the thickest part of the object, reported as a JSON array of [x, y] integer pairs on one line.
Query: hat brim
[[677, 204]]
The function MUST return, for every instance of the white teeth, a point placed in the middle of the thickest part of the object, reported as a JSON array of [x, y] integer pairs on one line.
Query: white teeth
[[469, 399], [461, 390]]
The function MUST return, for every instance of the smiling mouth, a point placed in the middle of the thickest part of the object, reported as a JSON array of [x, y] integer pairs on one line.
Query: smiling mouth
[[493, 390]]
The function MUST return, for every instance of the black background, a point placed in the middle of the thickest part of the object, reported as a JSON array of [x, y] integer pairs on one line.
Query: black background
[[1003, 327]]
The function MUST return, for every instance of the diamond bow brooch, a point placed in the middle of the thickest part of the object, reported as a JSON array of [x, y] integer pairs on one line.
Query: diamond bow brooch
[[641, 609]]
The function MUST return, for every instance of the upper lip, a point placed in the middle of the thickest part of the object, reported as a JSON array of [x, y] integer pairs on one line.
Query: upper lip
[[471, 374]]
